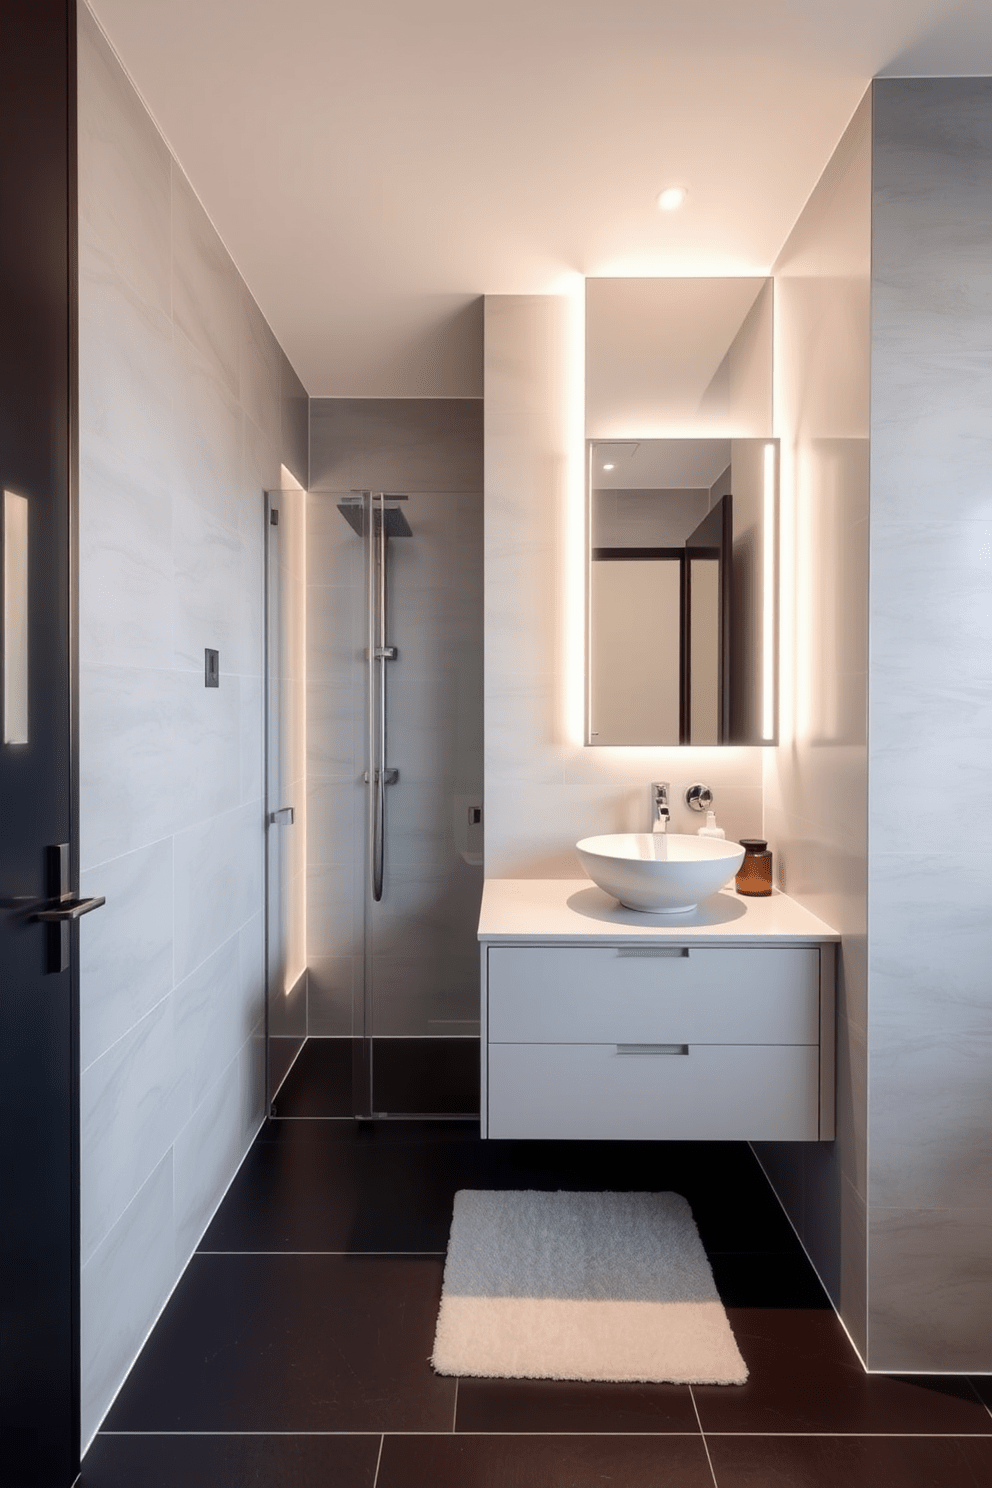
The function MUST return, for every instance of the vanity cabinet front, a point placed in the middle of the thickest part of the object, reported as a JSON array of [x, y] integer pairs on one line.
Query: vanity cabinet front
[[658, 1042]]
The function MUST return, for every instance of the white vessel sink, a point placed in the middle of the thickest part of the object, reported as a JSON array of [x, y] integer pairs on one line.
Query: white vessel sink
[[659, 873]]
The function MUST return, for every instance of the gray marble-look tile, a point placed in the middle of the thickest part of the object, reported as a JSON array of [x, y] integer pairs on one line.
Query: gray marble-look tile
[[335, 639], [252, 1085], [333, 909], [125, 949], [133, 1100], [260, 473], [212, 1017], [331, 993], [209, 436], [335, 731], [930, 942], [930, 456], [206, 1156], [251, 970], [295, 423], [260, 360], [334, 553], [125, 565], [251, 732], [123, 1286], [127, 769], [932, 731], [124, 168], [396, 444], [853, 1301], [206, 287], [125, 373], [931, 1139], [207, 747], [209, 577], [423, 996], [929, 1291], [218, 883], [335, 820]]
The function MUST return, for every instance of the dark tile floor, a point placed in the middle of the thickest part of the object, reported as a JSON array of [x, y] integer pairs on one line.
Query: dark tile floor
[[294, 1353]]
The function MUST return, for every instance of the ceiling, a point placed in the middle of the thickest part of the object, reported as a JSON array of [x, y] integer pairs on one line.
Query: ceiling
[[374, 166]]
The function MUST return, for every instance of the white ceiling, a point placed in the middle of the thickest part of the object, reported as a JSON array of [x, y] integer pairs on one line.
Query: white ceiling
[[375, 165]]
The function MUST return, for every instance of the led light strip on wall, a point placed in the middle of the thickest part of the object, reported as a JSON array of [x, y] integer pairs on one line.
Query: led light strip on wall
[[768, 598]]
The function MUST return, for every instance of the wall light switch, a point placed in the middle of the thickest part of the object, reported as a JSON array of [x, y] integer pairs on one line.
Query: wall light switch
[[211, 668]]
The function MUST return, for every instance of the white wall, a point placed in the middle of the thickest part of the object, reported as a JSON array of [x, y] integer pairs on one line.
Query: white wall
[[544, 789], [187, 408], [815, 782]]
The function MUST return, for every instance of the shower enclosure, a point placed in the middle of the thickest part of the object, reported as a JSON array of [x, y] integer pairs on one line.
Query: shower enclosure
[[394, 678]]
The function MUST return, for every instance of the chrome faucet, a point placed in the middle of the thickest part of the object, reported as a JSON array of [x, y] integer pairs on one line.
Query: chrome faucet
[[660, 814]]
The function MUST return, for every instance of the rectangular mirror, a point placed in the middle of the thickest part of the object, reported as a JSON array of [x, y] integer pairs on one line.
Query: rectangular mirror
[[682, 587]]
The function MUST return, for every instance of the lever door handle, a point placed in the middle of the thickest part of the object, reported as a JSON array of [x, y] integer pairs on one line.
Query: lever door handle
[[58, 916], [284, 817], [70, 909]]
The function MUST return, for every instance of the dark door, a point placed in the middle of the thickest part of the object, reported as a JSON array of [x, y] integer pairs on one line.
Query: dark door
[[39, 1168]]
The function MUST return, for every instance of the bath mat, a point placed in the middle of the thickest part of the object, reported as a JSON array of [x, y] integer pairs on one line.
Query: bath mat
[[581, 1286]]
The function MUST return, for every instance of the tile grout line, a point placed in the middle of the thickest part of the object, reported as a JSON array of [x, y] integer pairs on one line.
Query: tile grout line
[[320, 1252], [702, 1434], [454, 1413], [652, 1435], [378, 1460]]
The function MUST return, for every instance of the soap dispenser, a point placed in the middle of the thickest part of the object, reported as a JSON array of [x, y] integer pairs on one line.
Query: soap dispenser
[[711, 829]]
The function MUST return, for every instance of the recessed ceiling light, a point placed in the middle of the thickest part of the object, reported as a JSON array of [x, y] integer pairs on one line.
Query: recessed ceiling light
[[672, 198], [607, 467]]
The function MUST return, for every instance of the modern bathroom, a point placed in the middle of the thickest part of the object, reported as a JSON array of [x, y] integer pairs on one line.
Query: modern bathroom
[[372, 683]]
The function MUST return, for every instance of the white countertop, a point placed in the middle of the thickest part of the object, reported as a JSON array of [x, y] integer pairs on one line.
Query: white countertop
[[526, 911]]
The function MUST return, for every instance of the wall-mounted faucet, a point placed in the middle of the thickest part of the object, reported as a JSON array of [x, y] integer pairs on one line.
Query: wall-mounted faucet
[[660, 814]]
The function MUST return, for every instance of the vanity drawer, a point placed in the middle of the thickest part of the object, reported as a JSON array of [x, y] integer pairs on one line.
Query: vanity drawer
[[766, 1093], [609, 994]]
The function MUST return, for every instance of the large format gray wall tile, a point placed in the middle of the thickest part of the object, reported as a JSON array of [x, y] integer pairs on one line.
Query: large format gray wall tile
[[930, 1009], [126, 951], [815, 782], [124, 170], [188, 408], [133, 1099], [396, 444], [206, 287], [124, 1286]]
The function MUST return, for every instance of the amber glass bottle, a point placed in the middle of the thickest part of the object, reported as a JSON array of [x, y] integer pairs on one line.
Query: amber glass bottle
[[754, 876]]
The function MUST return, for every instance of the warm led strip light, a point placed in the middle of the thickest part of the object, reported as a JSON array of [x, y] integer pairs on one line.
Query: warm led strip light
[[768, 598]]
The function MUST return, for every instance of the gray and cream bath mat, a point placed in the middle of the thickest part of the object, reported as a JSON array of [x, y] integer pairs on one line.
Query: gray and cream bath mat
[[581, 1286]]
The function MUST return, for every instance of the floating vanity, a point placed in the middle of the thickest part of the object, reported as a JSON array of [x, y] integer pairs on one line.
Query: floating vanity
[[602, 1022]]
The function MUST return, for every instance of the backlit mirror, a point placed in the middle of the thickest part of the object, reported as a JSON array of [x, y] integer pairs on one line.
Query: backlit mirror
[[682, 585]]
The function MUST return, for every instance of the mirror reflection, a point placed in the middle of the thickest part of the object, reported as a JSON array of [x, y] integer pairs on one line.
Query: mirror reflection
[[682, 586]]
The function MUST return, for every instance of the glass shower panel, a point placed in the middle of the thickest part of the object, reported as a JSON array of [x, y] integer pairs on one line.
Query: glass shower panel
[[422, 958], [398, 664], [285, 782]]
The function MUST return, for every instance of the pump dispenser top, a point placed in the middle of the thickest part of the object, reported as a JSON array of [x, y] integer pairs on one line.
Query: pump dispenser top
[[711, 829]]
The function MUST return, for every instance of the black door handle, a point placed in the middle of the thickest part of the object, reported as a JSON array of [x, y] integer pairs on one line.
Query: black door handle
[[71, 909]]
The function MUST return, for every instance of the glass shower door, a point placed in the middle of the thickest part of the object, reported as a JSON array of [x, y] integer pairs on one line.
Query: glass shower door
[[417, 668], [285, 783]]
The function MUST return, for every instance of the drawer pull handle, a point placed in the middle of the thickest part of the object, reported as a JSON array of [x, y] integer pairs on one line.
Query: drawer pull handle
[[653, 951], [652, 1048]]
